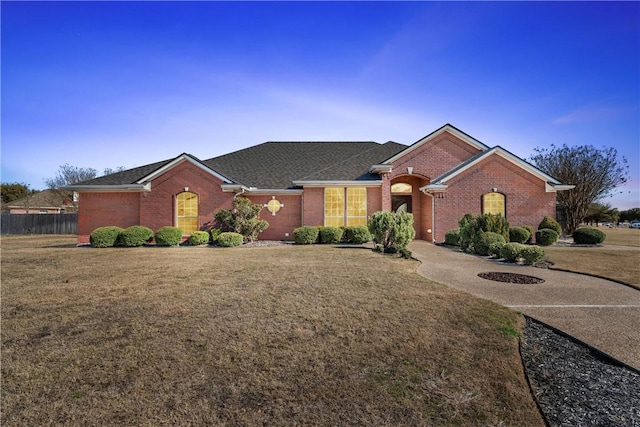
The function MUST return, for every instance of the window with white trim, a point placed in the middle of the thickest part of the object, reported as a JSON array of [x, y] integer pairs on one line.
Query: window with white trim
[[187, 212]]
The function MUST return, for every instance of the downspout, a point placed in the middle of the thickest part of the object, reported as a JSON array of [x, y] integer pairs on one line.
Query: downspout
[[433, 217]]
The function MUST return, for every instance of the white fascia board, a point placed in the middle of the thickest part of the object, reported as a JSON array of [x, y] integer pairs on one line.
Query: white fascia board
[[376, 183], [550, 188], [233, 188], [434, 188], [175, 162], [446, 128], [380, 169], [126, 188]]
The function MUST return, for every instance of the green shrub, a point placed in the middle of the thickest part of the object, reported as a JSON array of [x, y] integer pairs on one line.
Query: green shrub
[[136, 235], [357, 234], [531, 231], [495, 249], [213, 235], [550, 223], [531, 254], [330, 235], [546, 237], [306, 235], [519, 234], [229, 239], [588, 236], [452, 237], [392, 231], [243, 218], [485, 240], [472, 227], [511, 251], [405, 253], [168, 236], [105, 237], [198, 238]]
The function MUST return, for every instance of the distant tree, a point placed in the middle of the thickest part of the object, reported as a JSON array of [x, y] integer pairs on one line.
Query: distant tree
[[14, 191], [599, 212], [69, 175], [595, 174], [632, 214], [109, 171]]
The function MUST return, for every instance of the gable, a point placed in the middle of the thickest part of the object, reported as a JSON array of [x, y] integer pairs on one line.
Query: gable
[[441, 182], [473, 144]]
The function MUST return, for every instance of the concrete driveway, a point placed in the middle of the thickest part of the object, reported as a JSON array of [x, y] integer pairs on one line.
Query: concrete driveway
[[602, 313]]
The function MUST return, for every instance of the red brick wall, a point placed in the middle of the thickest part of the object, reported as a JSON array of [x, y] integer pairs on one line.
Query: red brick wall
[[526, 200], [313, 204], [101, 209], [284, 221], [157, 207], [435, 157]]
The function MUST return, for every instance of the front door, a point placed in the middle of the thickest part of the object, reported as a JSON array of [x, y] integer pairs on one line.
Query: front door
[[401, 203]]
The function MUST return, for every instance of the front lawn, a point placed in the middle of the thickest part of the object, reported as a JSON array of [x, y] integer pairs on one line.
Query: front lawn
[[306, 335]]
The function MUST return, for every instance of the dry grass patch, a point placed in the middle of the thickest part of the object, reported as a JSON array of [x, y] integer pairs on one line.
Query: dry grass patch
[[617, 258], [264, 336]]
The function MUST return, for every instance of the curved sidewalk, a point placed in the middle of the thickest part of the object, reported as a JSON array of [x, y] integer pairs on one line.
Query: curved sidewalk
[[602, 313]]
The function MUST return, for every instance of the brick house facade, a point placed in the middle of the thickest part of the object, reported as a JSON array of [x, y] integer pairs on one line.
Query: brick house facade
[[438, 179]]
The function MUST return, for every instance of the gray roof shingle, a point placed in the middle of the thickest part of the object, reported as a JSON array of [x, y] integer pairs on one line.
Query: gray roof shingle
[[275, 165]]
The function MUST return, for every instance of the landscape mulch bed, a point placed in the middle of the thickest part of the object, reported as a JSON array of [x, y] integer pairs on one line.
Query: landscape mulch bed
[[498, 276]]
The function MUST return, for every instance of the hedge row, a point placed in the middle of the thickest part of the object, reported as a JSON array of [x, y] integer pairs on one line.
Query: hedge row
[[309, 235]]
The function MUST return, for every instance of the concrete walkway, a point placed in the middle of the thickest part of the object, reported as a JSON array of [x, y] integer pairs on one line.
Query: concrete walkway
[[602, 313]]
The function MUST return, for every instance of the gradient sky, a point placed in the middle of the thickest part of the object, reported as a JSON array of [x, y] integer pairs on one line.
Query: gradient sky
[[108, 84]]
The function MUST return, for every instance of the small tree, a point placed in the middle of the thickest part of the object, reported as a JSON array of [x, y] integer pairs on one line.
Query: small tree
[[243, 218], [391, 232], [595, 174]]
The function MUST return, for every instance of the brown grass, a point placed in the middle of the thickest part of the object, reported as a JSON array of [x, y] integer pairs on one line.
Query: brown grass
[[263, 336], [617, 258]]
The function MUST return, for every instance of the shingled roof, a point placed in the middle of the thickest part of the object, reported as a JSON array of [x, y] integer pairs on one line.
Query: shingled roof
[[276, 165]]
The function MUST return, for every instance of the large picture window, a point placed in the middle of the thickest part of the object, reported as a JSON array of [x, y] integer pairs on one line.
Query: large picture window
[[494, 203], [345, 206], [187, 212]]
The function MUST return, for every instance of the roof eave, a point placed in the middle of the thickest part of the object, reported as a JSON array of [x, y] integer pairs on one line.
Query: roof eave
[[126, 188], [373, 183], [380, 169]]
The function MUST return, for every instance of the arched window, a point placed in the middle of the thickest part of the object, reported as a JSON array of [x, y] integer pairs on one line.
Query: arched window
[[401, 187], [187, 212], [494, 203]]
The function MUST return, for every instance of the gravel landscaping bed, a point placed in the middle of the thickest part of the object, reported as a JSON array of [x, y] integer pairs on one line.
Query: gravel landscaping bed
[[576, 386]]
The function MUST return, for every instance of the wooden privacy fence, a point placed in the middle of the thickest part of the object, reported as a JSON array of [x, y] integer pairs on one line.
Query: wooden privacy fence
[[39, 223]]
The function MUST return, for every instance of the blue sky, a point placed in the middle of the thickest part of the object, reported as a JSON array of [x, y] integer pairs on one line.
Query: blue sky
[[108, 84]]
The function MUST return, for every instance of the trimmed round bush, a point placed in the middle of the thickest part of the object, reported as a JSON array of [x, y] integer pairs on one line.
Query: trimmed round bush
[[230, 239], [531, 254], [198, 238], [519, 234], [330, 235], [546, 237], [357, 234], [306, 235], [588, 236], [511, 251], [136, 235], [485, 239], [550, 223], [168, 236], [105, 237], [452, 237]]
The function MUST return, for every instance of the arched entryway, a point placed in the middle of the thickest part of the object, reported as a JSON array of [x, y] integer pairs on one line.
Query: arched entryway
[[407, 197]]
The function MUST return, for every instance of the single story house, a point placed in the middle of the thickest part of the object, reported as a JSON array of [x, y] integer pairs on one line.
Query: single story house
[[42, 202], [439, 178]]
